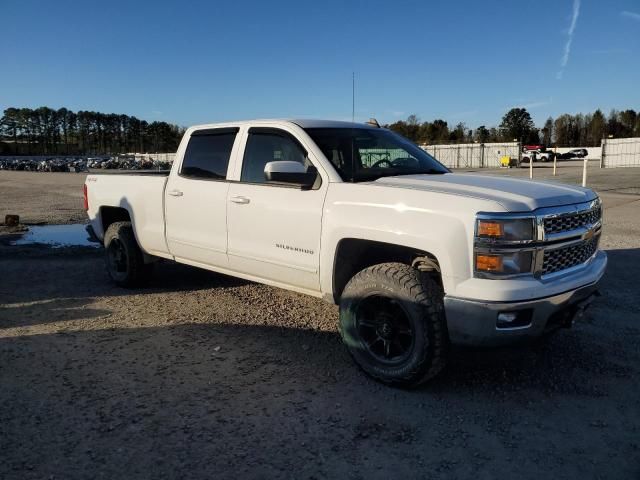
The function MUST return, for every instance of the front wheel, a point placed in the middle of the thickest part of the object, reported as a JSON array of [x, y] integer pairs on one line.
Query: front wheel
[[124, 260], [392, 322]]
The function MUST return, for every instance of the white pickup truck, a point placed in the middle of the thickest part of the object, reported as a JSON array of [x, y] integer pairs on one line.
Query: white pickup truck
[[416, 257]]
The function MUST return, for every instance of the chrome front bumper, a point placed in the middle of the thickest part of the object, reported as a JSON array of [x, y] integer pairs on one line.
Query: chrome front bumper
[[473, 322]]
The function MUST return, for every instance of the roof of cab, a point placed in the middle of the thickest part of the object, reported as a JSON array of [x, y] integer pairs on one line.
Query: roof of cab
[[302, 123], [312, 123]]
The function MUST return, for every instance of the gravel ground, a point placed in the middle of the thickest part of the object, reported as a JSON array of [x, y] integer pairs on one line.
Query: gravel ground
[[42, 197], [201, 375]]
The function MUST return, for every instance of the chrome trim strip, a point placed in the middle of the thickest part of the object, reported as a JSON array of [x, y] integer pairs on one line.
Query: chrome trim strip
[[517, 304], [578, 232], [504, 215], [570, 243], [584, 207]]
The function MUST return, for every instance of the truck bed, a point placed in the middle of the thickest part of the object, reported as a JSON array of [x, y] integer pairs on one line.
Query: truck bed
[[139, 193], [141, 173]]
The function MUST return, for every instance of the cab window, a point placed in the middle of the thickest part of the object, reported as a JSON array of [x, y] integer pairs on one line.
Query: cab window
[[208, 152]]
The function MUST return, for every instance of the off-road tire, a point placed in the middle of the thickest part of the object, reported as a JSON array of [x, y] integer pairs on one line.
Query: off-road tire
[[421, 299], [133, 271]]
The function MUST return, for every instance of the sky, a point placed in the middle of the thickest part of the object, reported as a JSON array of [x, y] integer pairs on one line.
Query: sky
[[196, 62]]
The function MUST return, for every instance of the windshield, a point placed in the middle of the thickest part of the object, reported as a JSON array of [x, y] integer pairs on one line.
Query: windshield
[[366, 154]]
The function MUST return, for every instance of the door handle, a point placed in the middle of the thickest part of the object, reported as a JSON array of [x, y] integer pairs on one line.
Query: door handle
[[241, 200], [175, 193]]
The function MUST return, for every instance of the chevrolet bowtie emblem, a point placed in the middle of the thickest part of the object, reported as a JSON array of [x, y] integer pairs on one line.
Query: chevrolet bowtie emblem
[[588, 235]]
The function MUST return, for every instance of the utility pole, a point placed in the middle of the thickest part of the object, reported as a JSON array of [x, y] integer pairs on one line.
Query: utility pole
[[353, 96]]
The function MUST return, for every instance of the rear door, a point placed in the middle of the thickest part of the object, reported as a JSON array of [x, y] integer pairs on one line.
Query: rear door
[[196, 199], [274, 230]]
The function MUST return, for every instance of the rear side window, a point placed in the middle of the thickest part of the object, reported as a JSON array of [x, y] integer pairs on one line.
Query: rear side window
[[208, 152]]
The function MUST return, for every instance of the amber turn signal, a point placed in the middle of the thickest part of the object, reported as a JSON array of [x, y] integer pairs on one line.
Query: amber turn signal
[[488, 263], [487, 228]]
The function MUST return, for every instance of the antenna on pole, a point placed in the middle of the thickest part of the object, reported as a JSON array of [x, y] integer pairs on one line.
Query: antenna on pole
[[353, 96]]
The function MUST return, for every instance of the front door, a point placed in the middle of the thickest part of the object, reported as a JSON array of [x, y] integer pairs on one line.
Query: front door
[[274, 230]]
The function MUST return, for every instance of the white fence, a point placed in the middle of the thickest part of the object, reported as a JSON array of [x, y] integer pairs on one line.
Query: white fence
[[620, 152], [473, 155]]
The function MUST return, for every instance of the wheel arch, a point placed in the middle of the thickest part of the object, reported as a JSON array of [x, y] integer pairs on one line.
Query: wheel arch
[[109, 215], [355, 254]]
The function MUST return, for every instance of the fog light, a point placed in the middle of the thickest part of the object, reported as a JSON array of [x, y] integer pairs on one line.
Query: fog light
[[507, 317], [521, 318]]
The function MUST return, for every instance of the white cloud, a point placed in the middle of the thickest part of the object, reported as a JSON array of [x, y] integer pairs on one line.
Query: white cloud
[[567, 46], [531, 104], [537, 104], [628, 14]]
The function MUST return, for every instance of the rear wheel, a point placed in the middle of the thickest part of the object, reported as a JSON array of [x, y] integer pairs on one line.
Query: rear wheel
[[124, 259], [392, 322]]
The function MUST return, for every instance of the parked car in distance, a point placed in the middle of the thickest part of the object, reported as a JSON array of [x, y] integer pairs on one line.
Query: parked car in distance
[[575, 153], [526, 148], [417, 257], [539, 153]]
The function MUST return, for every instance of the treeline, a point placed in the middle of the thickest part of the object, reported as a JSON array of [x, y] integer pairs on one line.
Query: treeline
[[46, 131], [585, 130]]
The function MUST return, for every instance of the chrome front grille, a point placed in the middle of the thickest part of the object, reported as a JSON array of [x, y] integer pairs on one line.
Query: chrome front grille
[[566, 257], [566, 238], [571, 221]]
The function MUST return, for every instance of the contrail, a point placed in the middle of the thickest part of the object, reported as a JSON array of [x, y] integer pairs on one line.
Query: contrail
[[634, 15], [567, 46]]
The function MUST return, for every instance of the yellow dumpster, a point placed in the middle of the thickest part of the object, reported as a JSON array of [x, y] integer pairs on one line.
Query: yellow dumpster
[[508, 162]]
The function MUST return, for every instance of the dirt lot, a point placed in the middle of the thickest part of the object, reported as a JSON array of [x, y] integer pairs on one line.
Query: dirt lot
[[202, 375], [42, 197]]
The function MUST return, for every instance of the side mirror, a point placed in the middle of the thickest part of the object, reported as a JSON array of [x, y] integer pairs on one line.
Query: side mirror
[[291, 173]]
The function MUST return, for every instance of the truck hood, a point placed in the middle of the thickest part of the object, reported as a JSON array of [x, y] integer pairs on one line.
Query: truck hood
[[515, 195]]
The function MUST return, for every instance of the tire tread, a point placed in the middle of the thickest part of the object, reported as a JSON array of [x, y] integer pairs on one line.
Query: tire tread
[[138, 270], [427, 293]]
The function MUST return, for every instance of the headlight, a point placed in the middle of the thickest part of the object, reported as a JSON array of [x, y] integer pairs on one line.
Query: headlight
[[503, 245], [507, 229]]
